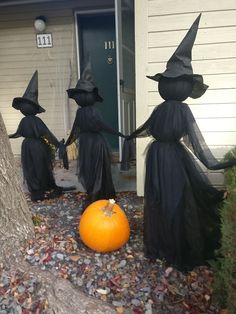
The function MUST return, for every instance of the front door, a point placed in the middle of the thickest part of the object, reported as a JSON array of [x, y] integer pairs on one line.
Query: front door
[[97, 39]]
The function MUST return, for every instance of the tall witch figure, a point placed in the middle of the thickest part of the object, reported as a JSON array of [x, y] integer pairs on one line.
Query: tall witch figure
[[36, 155], [94, 161], [181, 219]]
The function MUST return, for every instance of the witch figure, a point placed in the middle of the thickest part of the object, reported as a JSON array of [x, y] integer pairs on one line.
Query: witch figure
[[181, 219], [36, 154], [94, 160]]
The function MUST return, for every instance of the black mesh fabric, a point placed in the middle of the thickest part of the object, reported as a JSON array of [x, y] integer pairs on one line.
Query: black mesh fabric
[[181, 221], [36, 156], [94, 161]]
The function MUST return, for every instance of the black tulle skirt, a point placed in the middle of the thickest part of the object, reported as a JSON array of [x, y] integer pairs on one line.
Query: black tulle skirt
[[181, 221], [37, 165], [94, 166]]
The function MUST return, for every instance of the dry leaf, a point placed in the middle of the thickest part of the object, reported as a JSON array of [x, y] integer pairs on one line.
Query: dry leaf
[[74, 258], [120, 310]]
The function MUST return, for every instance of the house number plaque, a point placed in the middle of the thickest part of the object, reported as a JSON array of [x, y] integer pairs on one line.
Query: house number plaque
[[44, 40]]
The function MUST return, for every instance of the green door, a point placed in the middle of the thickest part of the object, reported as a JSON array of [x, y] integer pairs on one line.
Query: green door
[[97, 38]]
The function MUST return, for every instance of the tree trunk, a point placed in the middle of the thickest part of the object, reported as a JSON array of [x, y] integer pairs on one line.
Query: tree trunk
[[15, 219], [62, 296]]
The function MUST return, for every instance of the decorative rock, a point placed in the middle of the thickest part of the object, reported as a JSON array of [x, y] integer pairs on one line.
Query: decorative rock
[[18, 309], [122, 263], [5, 280], [88, 285], [135, 302], [60, 256], [117, 303], [148, 308], [194, 285], [146, 289], [124, 278], [30, 252], [80, 282], [21, 289]]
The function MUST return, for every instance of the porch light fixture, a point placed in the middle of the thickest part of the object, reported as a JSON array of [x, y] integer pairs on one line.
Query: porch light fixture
[[40, 24]]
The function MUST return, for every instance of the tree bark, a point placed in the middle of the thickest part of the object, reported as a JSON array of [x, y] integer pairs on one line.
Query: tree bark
[[16, 226], [15, 218], [62, 296]]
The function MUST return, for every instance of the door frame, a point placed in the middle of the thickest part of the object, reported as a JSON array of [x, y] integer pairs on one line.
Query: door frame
[[78, 13]]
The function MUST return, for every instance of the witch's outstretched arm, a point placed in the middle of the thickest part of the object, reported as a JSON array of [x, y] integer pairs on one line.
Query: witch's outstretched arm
[[74, 134], [128, 146], [43, 131], [105, 128], [199, 146], [51, 138], [14, 135], [18, 132], [142, 131]]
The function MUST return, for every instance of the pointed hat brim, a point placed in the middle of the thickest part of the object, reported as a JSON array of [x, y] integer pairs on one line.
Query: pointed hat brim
[[199, 87], [18, 101], [85, 83], [72, 91]]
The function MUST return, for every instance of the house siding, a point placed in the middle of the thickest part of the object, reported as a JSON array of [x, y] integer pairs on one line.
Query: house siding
[[160, 27], [57, 66], [19, 58]]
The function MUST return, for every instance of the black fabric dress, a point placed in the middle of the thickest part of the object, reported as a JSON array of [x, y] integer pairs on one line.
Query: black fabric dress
[[94, 160], [36, 157], [181, 221]]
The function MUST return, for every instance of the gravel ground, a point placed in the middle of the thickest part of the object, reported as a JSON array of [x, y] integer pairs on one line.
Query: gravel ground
[[125, 278]]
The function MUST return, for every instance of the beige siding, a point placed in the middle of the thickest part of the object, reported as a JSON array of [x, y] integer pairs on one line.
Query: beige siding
[[57, 66], [19, 58], [160, 26]]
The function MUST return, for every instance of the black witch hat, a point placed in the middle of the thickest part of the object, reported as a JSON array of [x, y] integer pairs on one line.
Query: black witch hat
[[30, 96], [85, 83], [180, 62]]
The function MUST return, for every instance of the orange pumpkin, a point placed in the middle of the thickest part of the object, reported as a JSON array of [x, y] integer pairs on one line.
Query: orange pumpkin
[[104, 226]]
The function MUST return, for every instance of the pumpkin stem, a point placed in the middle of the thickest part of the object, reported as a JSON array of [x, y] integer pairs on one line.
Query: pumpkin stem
[[108, 209]]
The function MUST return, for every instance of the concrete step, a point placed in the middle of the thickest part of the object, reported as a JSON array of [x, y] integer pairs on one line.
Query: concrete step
[[123, 181]]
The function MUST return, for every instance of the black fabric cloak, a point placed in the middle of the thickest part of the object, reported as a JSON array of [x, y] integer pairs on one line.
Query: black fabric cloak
[[181, 219], [36, 156], [94, 161]]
